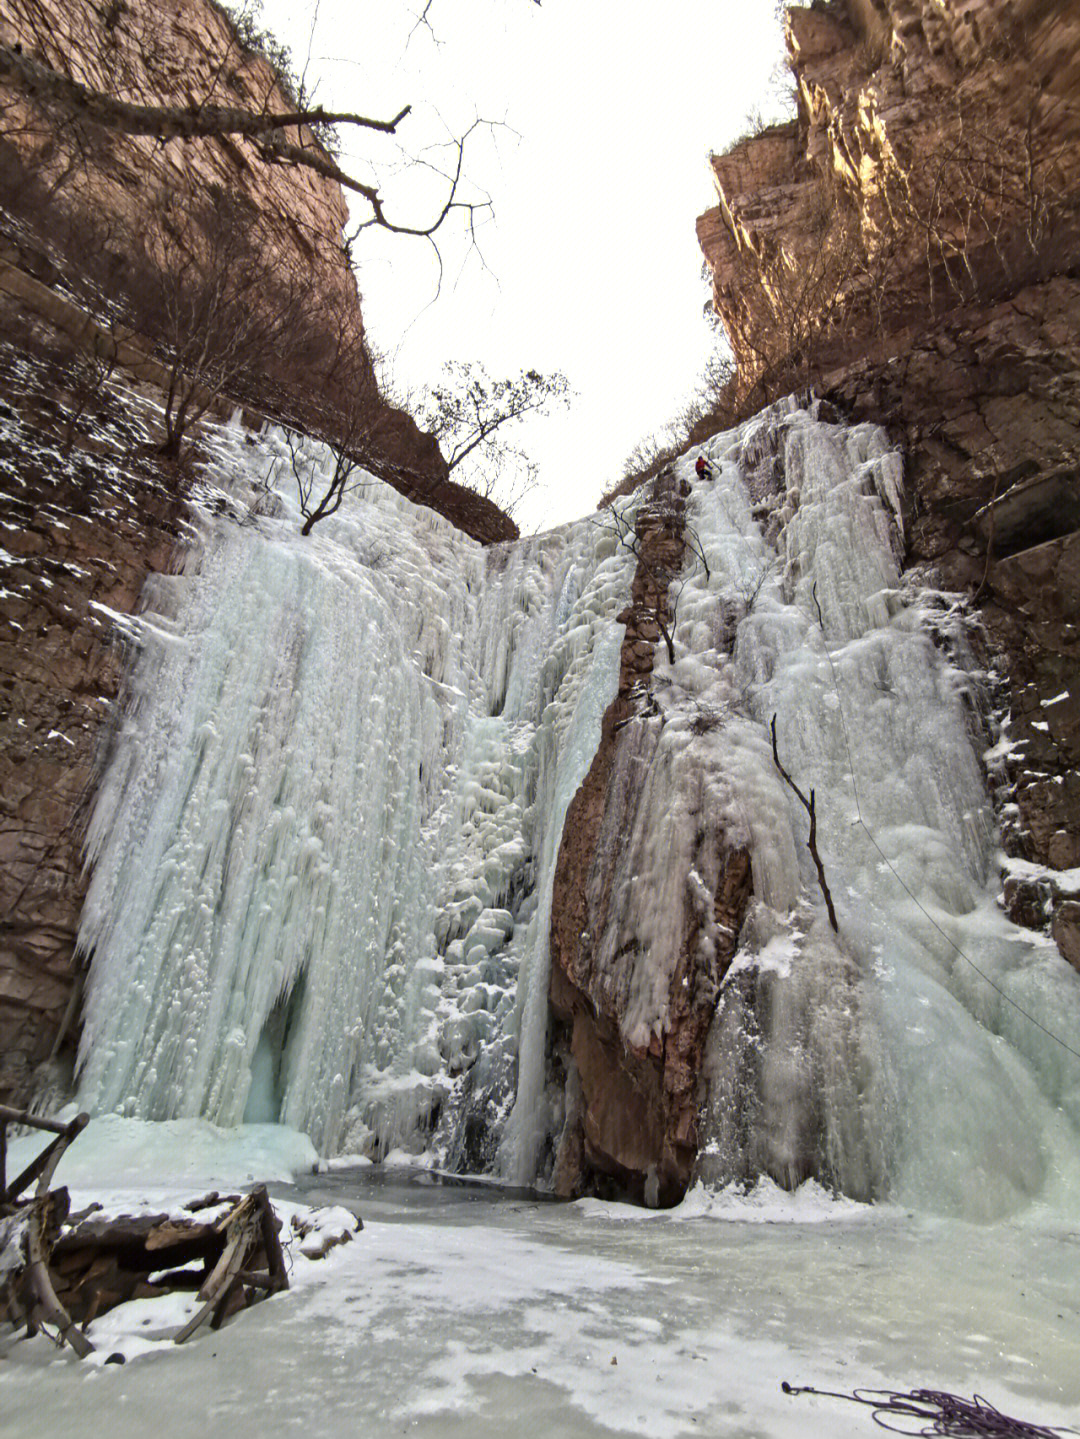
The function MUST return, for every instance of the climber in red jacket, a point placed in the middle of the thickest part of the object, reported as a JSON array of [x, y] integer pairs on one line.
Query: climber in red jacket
[[703, 469]]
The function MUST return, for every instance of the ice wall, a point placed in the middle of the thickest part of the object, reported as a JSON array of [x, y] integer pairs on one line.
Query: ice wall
[[908, 1054], [321, 848], [324, 847]]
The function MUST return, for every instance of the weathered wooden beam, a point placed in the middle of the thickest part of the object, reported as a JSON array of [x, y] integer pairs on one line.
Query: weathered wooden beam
[[48, 1306], [35, 1121], [258, 1281], [275, 1258], [43, 1166]]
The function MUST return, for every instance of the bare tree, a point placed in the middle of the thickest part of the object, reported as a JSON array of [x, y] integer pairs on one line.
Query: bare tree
[[348, 431], [90, 371], [469, 412], [984, 201], [286, 137], [215, 304]]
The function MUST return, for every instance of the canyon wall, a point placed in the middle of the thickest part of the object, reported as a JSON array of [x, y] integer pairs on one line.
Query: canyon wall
[[909, 247], [123, 191], [81, 532]]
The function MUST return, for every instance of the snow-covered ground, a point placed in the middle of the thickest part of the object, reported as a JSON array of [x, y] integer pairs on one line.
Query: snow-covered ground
[[465, 1310]]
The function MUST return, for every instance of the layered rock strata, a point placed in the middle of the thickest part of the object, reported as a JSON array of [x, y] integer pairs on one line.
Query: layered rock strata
[[909, 246]]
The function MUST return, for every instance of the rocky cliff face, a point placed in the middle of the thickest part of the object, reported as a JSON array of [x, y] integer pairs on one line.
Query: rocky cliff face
[[81, 532], [161, 53], [908, 246], [634, 1107], [187, 52]]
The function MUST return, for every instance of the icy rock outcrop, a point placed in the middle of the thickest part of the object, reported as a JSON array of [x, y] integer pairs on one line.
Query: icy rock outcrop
[[629, 941]]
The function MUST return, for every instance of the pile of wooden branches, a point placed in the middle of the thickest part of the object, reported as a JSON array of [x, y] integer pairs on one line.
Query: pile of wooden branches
[[59, 1271]]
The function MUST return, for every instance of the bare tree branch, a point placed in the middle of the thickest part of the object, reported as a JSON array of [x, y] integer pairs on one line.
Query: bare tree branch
[[809, 806], [164, 122]]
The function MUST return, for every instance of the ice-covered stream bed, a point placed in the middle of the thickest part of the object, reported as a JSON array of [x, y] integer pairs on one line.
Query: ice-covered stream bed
[[465, 1311]]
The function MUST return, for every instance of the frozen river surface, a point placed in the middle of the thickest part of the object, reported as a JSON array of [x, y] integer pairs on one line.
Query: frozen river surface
[[462, 1311]]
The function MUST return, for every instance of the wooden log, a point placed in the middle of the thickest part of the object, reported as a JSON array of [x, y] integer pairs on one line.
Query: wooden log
[[43, 1166], [33, 1121], [173, 1231], [194, 1322], [74, 1275], [275, 1258], [211, 1201], [232, 1300], [216, 1294], [142, 1231], [258, 1281], [49, 1307], [232, 1259], [248, 1228], [239, 1227], [178, 1279]]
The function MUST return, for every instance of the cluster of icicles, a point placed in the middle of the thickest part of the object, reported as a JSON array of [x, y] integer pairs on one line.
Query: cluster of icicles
[[323, 849]]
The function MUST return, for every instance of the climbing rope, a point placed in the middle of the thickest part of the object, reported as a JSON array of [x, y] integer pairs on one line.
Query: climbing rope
[[941, 1414]]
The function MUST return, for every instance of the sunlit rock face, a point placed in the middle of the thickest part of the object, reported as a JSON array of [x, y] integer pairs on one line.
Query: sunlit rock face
[[906, 245], [421, 847]]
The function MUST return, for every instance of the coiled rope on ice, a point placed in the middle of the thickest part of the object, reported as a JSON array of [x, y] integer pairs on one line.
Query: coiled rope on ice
[[942, 1413]]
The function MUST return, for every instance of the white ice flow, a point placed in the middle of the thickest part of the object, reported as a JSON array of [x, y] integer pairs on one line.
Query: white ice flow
[[324, 847]]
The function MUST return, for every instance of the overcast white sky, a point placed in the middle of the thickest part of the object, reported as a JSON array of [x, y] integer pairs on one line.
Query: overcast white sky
[[590, 263]]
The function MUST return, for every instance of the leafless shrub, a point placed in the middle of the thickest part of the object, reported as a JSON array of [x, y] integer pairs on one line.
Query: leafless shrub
[[349, 430], [91, 370]]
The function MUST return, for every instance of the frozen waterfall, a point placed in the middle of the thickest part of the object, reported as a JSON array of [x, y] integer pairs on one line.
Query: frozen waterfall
[[321, 848], [324, 846]]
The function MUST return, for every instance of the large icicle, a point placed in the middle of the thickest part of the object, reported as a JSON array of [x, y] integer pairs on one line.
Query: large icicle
[[870, 1058]]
